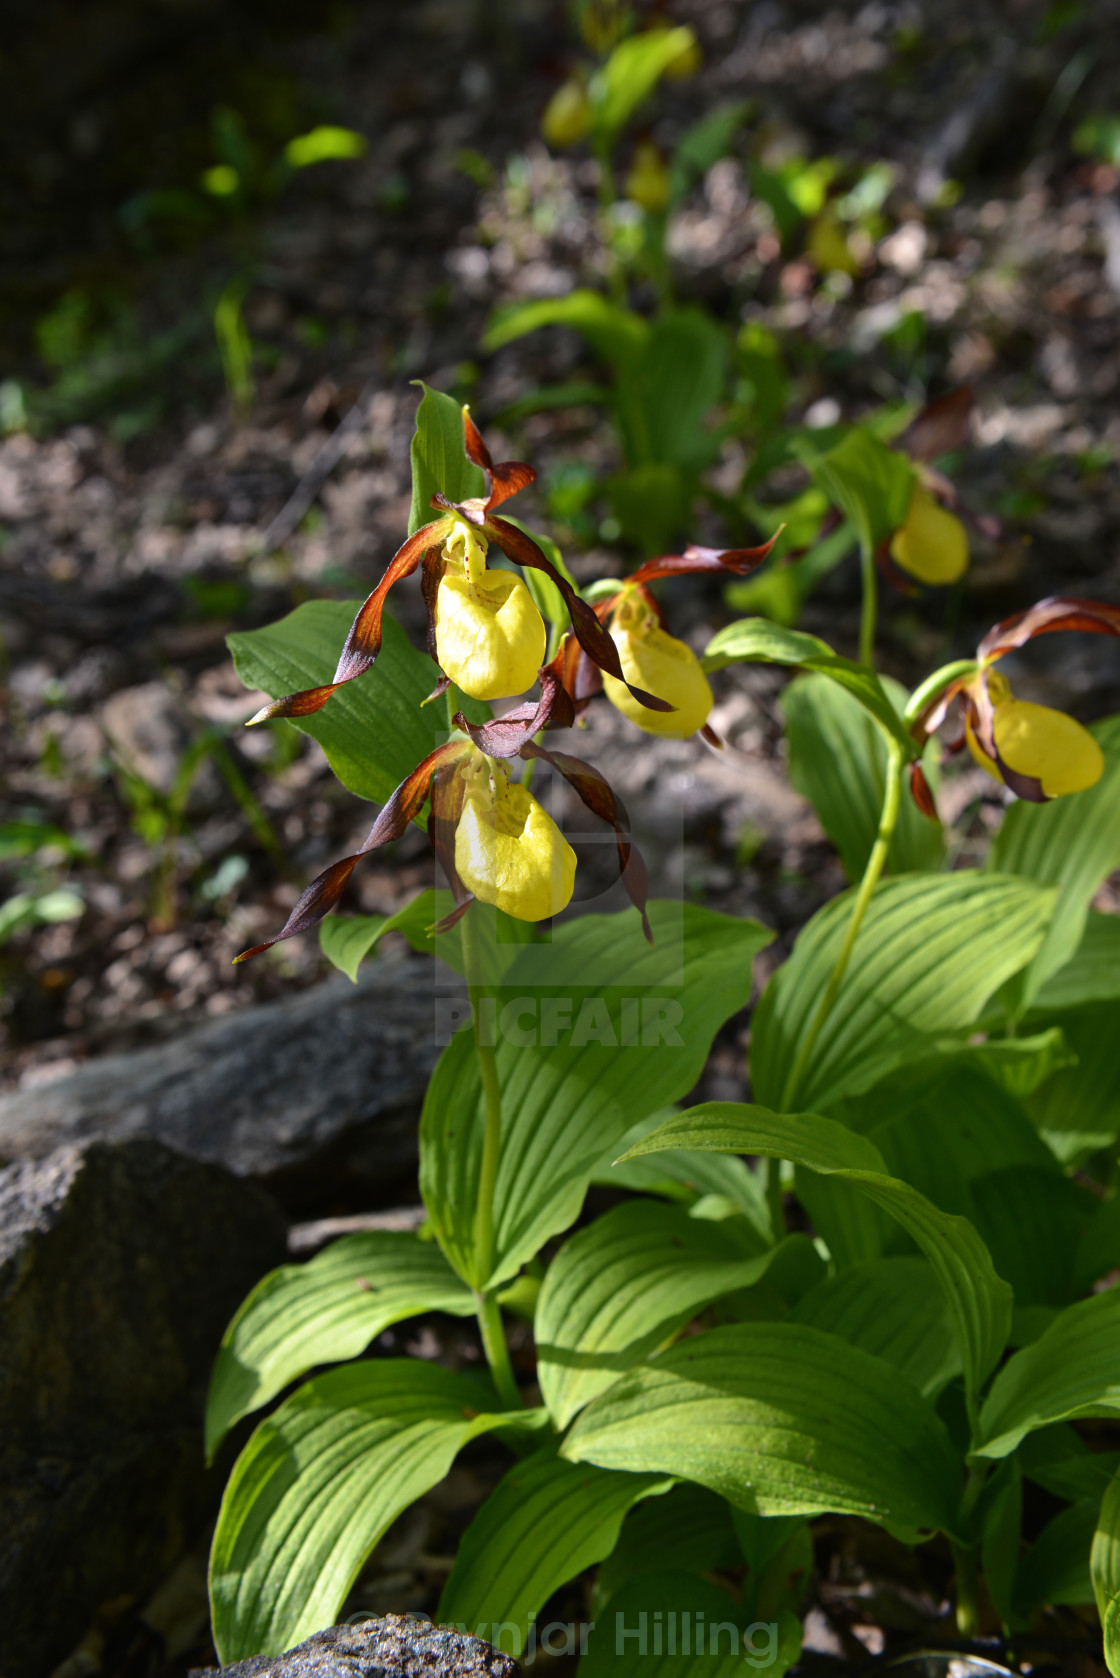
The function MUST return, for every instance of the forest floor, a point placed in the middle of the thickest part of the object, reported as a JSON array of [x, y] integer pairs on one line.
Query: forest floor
[[134, 514]]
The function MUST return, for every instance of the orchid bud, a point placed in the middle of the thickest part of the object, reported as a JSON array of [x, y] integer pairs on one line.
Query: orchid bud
[[1038, 742], [490, 637], [932, 545], [648, 180], [656, 661], [508, 850], [567, 116]]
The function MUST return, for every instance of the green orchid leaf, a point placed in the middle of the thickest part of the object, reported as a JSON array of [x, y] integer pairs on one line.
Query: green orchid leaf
[[894, 1308], [1072, 1370], [1077, 1111], [757, 641], [688, 1528], [980, 1303], [543, 1524], [325, 1311], [614, 333], [374, 730], [630, 1640], [629, 76], [870, 483], [619, 1288], [1092, 973], [1072, 843], [838, 761], [1057, 1569], [593, 1032], [320, 1482], [439, 460], [781, 1419], [1104, 1567], [931, 950]]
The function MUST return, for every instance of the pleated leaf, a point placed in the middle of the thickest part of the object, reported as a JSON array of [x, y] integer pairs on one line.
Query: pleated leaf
[[543, 1523], [1072, 1370], [617, 1289], [1057, 1569], [325, 1311], [318, 1484], [781, 1419], [585, 1049], [838, 761], [894, 1308], [1092, 973], [439, 461], [979, 1301], [931, 950], [629, 1642], [1072, 843], [758, 641], [1078, 1110], [373, 730], [1104, 1567]]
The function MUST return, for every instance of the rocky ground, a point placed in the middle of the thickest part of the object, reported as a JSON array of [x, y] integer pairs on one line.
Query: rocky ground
[[143, 520]]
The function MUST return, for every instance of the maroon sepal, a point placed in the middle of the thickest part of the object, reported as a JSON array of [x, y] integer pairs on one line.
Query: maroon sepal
[[431, 571], [596, 794], [504, 736], [942, 427], [1058, 611], [589, 632], [709, 734], [893, 575], [739, 561], [363, 643], [579, 675], [922, 792], [404, 804], [455, 915], [438, 691], [503, 481], [447, 797]]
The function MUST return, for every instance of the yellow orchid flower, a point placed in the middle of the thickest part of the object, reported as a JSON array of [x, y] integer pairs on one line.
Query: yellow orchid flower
[[567, 116], [932, 545], [508, 849], [655, 660], [1038, 752], [647, 181], [490, 637]]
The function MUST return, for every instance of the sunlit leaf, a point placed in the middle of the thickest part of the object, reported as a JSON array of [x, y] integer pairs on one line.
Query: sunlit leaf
[[438, 458], [1073, 1370], [614, 333], [542, 1524], [931, 950], [894, 1308], [781, 1419], [870, 483], [1105, 1571], [325, 1311], [594, 1031]]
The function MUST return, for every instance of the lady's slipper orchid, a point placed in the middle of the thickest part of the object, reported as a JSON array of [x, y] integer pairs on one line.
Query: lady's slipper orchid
[[490, 637], [646, 653], [508, 850], [932, 545], [491, 646], [647, 182], [493, 840], [1038, 752], [656, 660]]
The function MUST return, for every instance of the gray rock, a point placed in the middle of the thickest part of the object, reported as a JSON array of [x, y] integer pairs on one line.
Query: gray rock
[[395, 1647], [120, 1266], [316, 1095]]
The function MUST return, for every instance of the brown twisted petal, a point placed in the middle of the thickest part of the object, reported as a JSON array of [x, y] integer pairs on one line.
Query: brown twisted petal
[[597, 795], [404, 804], [694, 560], [431, 570], [941, 427], [579, 675], [503, 481], [1058, 611], [447, 796], [363, 643], [504, 736], [589, 632], [922, 793]]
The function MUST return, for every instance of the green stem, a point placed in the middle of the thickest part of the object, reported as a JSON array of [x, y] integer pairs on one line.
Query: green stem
[[966, 1556], [869, 607], [935, 685], [486, 1306], [875, 863]]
